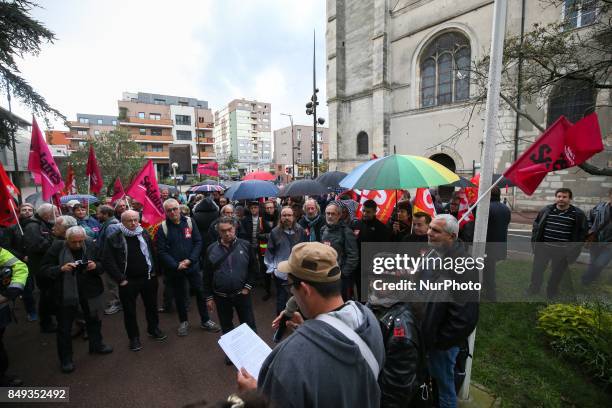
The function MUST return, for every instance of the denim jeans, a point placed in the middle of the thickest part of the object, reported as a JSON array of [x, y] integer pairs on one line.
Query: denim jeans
[[441, 364], [601, 254]]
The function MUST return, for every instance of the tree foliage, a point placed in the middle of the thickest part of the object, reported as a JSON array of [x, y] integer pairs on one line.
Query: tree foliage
[[21, 35], [550, 55], [230, 162], [117, 155]]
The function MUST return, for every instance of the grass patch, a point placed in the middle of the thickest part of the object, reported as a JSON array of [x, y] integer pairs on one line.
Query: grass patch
[[513, 360]]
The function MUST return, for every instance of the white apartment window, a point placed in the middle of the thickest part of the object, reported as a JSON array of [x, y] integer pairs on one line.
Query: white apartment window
[[156, 132], [159, 101], [182, 119], [157, 148], [144, 147], [141, 115], [82, 133], [299, 134], [99, 121], [579, 13], [96, 132], [82, 144], [114, 123], [183, 134], [154, 116], [142, 131], [182, 103], [83, 120]]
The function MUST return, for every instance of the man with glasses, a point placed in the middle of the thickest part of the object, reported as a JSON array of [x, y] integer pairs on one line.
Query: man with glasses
[[340, 338], [229, 273], [226, 211], [179, 245]]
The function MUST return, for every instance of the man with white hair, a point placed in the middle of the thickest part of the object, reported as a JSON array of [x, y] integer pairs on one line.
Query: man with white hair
[[449, 318], [75, 275], [37, 239], [128, 258], [61, 226]]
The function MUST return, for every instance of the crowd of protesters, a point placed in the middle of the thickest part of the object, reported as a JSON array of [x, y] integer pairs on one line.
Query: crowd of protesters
[[214, 252]]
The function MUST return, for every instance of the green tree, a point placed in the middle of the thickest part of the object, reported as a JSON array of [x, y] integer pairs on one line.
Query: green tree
[[20, 35], [117, 155], [230, 162]]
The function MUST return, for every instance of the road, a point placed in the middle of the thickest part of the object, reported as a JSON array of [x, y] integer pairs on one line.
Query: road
[[179, 371]]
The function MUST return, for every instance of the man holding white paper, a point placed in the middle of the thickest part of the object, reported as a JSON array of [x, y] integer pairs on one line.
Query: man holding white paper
[[334, 358]]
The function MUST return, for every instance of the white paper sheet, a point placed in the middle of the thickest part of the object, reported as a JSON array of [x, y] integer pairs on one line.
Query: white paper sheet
[[245, 349]]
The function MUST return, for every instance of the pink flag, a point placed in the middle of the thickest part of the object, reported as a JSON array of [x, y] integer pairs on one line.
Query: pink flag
[[209, 169], [118, 192], [93, 172], [42, 165], [144, 189]]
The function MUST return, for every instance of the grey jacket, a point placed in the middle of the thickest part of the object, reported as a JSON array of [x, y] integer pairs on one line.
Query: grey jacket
[[341, 238], [279, 247], [319, 367]]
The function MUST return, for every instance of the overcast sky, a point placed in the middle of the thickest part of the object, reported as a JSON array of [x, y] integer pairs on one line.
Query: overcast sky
[[215, 50]]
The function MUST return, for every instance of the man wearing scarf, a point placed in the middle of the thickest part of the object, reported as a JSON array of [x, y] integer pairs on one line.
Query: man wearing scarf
[[75, 274], [312, 221], [128, 258]]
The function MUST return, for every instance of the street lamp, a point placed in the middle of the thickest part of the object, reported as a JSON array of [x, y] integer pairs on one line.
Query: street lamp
[[292, 147], [311, 109], [174, 167]]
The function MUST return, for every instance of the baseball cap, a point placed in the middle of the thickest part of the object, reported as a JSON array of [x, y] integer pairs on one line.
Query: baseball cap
[[313, 262], [72, 203]]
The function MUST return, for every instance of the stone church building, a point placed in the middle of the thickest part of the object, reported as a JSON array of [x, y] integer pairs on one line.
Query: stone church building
[[398, 80]]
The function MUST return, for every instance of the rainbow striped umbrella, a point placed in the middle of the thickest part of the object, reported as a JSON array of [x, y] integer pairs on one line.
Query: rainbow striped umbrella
[[398, 172]]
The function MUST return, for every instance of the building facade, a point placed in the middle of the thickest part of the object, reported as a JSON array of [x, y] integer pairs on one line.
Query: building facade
[[19, 174], [303, 155], [87, 126], [398, 79], [243, 131]]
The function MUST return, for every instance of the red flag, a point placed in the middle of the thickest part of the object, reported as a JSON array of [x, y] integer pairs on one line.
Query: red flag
[[583, 140], [546, 154], [8, 214], [93, 172], [385, 199], [209, 169], [144, 189], [42, 165], [118, 192], [70, 187], [423, 202], [464, 205]]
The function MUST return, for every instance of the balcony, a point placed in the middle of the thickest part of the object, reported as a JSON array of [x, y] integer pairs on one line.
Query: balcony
[[136, 121], [207, 154], [206, 140], [205, 125], [77, 125], [157, 155], [159, 139]]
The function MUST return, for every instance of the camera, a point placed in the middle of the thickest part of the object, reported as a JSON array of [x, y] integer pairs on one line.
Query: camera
[[81, 265]]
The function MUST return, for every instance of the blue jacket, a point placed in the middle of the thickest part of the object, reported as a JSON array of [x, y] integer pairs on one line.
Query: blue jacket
[[181, 243], [91, 225]]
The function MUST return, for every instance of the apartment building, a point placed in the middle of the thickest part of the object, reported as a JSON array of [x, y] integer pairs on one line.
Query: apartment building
[[85, 127], [157, 121], [303, 151], [243, 130]]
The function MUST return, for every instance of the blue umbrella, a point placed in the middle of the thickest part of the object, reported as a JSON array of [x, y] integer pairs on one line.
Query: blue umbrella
[[83, 198], [251, 189]]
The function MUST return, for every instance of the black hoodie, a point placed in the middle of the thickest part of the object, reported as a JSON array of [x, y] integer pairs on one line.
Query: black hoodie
[[204, 214]]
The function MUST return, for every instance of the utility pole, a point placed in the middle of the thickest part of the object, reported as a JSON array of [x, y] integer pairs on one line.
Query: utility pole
[[16, 180], [311, 109], [488, 155]]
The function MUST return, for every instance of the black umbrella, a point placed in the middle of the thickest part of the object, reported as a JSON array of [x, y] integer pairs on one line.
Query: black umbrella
[[303, 187], [462, 182], [35, 199], [171, 189], [331, 179]]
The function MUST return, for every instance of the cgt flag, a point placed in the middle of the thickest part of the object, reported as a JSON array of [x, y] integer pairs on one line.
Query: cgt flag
[[42, 165], [118, 192], [144, 189], [8, 214], [561, 146], [209, 169], [384, 199], [93, 172], [423, 202]]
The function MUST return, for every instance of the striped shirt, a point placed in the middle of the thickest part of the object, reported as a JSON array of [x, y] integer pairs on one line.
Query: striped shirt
[[559, 225]]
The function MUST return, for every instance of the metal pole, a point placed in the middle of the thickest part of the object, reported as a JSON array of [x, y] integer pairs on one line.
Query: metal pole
[[488, 155], [315, 145], [16, 181]]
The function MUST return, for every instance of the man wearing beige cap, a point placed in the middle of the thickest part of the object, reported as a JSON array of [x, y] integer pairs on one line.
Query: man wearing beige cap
[[332, 359]]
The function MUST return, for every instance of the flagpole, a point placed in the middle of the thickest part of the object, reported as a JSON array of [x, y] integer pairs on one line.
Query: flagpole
[[498, 31], [471, 208], [12, 203], [88, 187]]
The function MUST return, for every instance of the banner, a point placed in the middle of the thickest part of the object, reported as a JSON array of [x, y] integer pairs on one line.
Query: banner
[[385, 200], [209, 169], [118, 192], [42, 165], [93, 172], [144, 189], [464, 205], [70, 187], [423, 202]]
